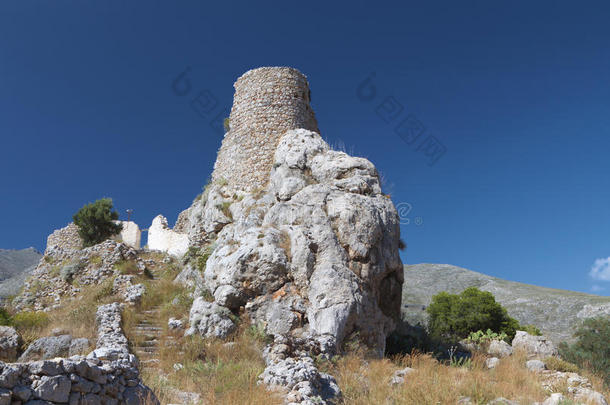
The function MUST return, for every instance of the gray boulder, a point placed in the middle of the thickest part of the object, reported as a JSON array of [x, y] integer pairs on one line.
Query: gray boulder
[[55, 389], [210, 320], [79, 346], [534, 346], [399, 375], [47, 348], [492, 362], [9, 343], [535, 365], [499, 348], [322, 233]]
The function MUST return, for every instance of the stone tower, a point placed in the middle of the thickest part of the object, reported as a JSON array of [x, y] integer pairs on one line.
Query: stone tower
[[268, 101]]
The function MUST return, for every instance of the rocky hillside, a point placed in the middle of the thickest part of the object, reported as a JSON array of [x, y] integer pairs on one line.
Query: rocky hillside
[[15, 266], [555, 312]]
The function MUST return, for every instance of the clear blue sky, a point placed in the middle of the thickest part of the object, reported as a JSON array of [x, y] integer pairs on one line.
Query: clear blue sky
[[518, 93]]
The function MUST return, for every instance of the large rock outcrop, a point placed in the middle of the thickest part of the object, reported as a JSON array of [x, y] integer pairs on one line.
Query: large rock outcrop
[[314, 254]]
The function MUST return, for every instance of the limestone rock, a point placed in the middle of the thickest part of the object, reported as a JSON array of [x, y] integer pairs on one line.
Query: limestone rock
[[191, 277], [535, 365], [534, 346], [492, 362], [399, 376], [321, 243], [55, 389], [9, 343], [589, 396], [210, 320], [499, 348], [78, 346], [175, 324], [47, 348]]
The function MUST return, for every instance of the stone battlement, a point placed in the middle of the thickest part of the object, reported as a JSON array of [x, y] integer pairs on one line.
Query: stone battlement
[[268, 101]]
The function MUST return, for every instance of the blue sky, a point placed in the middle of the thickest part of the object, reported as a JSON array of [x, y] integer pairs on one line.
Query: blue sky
[[517, 95]]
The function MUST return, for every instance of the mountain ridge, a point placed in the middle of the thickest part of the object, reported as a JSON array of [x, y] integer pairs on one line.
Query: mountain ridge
[[556, 312]]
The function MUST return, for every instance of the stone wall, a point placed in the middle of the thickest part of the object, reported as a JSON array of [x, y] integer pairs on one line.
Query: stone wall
[[130, 234], [161, 237], [108, 375], [65, 238], [268, 102]]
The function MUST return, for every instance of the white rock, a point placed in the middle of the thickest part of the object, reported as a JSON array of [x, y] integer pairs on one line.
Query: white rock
[[499, 348], [534, 346], [492, 362], [535, 365], [209, 320]]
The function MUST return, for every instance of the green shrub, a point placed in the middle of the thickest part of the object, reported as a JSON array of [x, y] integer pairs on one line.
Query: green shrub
[[5, 317], [592, 347], [453, 317], [227, 124], [30, 320], [198, 257], [69, 270], [127, 267], [95, 222], [480, 337]]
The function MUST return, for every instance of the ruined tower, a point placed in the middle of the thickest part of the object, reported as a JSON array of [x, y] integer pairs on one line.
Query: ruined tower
[[268, 101]]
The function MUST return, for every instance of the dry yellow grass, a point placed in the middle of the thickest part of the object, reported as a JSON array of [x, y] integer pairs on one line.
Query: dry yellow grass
[[221, 374], [367, 382]]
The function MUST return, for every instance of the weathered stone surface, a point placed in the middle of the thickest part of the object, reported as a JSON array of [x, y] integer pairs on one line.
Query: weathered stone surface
[[164, 239], [56, 388], [499, 348], [399, 376], [321, 245], [492, 362], [535, 365], [210, 320], [47, 348], [268, 102], [139, 395], [9, 343], [534, 346], [304, 240], [175, 324], [79, 346], [554, 399]]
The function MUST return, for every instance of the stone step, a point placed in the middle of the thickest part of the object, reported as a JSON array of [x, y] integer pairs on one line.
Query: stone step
[[148, 327]]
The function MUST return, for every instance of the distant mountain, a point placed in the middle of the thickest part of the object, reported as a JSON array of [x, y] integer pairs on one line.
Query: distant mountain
[[555, 312], [15, 266]]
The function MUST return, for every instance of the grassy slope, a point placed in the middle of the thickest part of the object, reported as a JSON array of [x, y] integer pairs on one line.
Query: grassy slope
[[553, 311]]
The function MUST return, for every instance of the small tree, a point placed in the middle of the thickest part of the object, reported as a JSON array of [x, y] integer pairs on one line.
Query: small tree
[[592, 348], [95, 222], [454, 316]]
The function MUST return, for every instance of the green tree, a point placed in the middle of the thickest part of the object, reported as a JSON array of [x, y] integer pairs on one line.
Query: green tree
[[95, 222], [592, 347], [454, 316]]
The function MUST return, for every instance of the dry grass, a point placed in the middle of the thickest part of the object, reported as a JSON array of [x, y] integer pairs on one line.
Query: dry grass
[[434, 383], [75, 316], [221, 374]]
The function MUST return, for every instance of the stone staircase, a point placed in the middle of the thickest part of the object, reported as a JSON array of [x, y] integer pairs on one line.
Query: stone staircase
[[149, 332]]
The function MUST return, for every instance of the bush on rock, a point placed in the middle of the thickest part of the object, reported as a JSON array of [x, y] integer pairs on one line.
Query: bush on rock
[[96, 222]]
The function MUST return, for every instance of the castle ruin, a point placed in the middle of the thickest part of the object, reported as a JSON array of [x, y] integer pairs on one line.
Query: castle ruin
[[268, 101]]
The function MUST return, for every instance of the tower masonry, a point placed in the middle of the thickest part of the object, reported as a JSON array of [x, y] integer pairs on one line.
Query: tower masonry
[[268, 101]]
